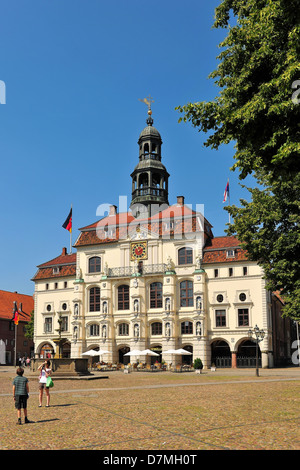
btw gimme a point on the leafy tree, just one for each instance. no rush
(29, 328)
(257, 109)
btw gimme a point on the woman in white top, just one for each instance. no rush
(45, 373)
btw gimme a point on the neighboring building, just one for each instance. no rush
(159, 280)
(11, 333)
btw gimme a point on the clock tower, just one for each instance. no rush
(150, 177)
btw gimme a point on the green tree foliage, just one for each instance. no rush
(257, 109)
(29, 328)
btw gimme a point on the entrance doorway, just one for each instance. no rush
(124, 359)
(220, 354)
(246, 354)
(187, 359)
(157, 350)
(47, 351)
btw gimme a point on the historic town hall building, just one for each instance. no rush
(155, 277)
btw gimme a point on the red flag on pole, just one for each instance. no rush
(68, 222)
(16, 314)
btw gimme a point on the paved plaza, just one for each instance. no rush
(158, 411)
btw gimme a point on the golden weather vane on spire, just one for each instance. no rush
(148, 102)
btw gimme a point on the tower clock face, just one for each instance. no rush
(139, 250)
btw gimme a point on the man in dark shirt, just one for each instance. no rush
(21, 393)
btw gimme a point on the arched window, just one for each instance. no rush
(186, 328)
(95, 299)
(185, 256)
(186, 294)
(95, 264)
(123, 297)
(123, 329)
(156, 295)
(156, 328)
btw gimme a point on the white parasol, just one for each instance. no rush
(91, 352)
(148, 352)
(133, 352)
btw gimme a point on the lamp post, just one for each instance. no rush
(259, 336)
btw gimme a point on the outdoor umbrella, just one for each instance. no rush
(170, 351)
(148, 352)
(134, 352)
(91, 352)
(179, 352)
(183, 352)
(102, 351)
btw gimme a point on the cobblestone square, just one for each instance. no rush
(222, 410)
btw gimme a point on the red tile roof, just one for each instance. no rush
(66, 263)
(63, 258)
(122, 225)
(7, 300)
(215, 250)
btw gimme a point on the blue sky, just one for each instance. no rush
(74, 71)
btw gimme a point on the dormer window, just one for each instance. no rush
(56, 270)
(169, 225)
(230, 254)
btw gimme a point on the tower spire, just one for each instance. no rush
(150, 177)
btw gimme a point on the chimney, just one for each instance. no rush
(180, 200)
(64, 251)
(112, 210)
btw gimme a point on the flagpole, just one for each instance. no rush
(71, 230)
(16, 326)
(229, 202)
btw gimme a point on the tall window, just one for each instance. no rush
(156, 295)
(220, 318)
(123, 329)
(94, 330)
(186, 328)
(185, 256)
(95, 299)
(48, 325)
(95, 264)
(123, 297)
(186, 294)
(243, 317)
(156, 328)
(64, 324)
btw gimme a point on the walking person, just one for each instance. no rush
(45, 373)
(21, 394)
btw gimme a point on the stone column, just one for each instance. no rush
(233, 360)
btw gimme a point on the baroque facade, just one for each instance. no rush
(154, 277)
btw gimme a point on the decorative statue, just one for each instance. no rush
(75, 333)
(104, 331)
(106, 269)
(198, 261)
(198, 328)
(168, 329)
(76, 310)
(136, 330)
(78, 273)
